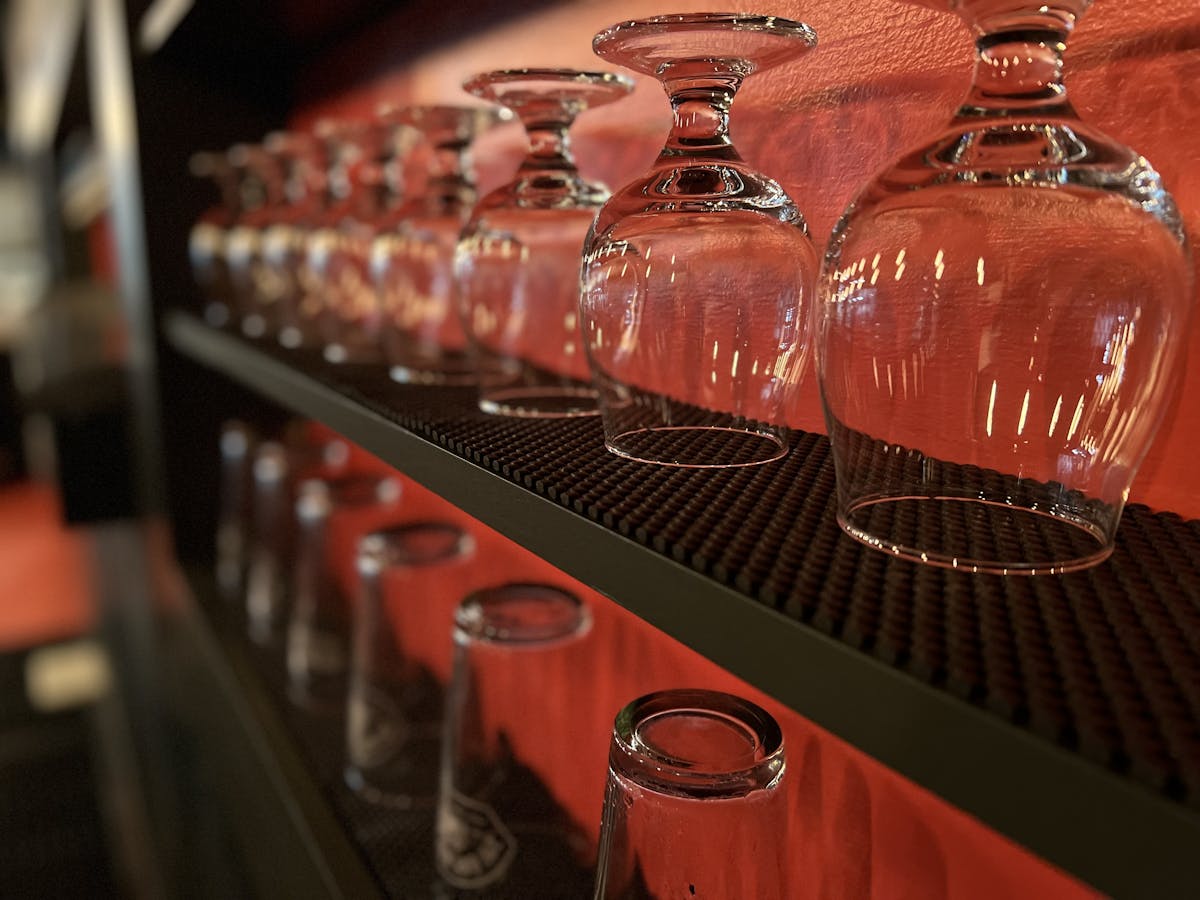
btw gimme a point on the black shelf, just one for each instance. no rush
(1063, 711)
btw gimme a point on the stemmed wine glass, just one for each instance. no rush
(413, 263)
(267, 245)
(1002, 319)
(518, 258)
(206, 240)
(258, 194)
(696, 279)
(366, 187)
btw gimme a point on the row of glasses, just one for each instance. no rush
(998, 323)
(685, 762)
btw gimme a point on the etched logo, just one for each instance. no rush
(474, 848)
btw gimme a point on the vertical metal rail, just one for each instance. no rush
(128, 560)
(114, 118)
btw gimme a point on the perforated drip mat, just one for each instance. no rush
(1105, 661)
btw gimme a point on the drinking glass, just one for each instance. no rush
(270, 544)
(366, 188)
(694, 805)
(285, 290)
(518, 258)
(319, 626)
(206, 240)
(259, 193)
(411, 578)
(1002, 322)
(234, 508)
(498, 830)
(278, 466)
(696, 279)
(413, 262)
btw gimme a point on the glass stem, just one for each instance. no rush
(449, 186)
(549, 146)
(701, 113)
(1019, 70)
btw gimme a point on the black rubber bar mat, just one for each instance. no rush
(1105, 662)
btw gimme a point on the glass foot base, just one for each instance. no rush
(976, 535)
(540, 402)
(697, 446)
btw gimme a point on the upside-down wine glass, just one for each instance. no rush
(286, 283)
(518, 258)
(367, 181)
(411, 579)
(696, 281)
(1002, 321)
(206, 240)
(257, 187)
(413, 262)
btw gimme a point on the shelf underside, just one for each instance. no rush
(1087, 682)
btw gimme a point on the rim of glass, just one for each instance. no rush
(499, 615)
(774, 25)
(417, 115)
(1105, 541)
(535, 73)
(385, 547)
(651, 767)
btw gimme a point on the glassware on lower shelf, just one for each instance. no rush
(694, 805)
(698, 277)
(318, 633)
(498, 831)
(411, 578)
(518, 258)
(234, 524)
(1003, 319)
